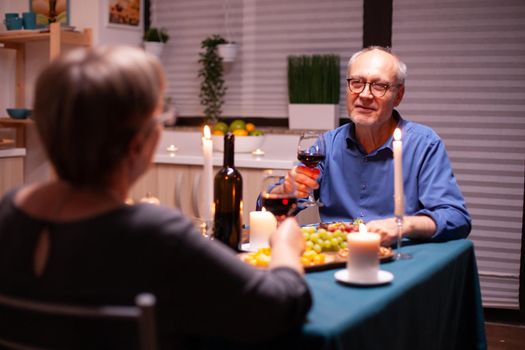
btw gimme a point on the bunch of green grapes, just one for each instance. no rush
(322, 240)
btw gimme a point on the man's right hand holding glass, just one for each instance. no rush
(305, 180)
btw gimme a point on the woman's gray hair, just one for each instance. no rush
(401, 71)
(90, 103)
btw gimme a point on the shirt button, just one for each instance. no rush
(361, 214)
(363, 186)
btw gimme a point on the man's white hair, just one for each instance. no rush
(401, 71)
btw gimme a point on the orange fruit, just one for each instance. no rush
(240, 132)
(249, 127)
(218, 132)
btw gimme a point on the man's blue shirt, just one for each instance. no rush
(354, 184)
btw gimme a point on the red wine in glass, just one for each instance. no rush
(279, 205)
(310, 159)
(278, 198)
(310, 152)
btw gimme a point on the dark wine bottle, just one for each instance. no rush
(228, 199)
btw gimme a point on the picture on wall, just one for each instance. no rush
(50, 11)
(126, 14)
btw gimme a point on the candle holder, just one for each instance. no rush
(205, 227)
(399, 255)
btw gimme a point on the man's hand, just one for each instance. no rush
(416, 227)
(305, 180)
(387, 228)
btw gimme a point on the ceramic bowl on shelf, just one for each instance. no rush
(18, 113)
(243, 144)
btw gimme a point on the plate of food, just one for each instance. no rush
(350, 226)
(311, 260)
(330, 237)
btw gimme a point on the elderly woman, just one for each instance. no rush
(74, 239)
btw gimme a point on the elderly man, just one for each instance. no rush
(356, 178)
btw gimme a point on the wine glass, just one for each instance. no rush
(311, 151)
(278, 196)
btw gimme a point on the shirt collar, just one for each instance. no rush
(351, 140)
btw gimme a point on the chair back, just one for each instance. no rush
(142, 314)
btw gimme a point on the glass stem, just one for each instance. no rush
(399, 223)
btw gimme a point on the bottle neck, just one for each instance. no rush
(229, 143)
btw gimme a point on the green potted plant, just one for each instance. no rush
(313, 91)
(155, 39)
(213, 87)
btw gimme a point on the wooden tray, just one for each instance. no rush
(333, 260)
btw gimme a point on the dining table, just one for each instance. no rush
(433, 302)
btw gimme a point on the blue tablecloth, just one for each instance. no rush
(433, 303)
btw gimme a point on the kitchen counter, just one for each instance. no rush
(12, 152)
(279, 151)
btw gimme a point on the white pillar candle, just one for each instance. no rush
(262, 225)
(207, 174)
(399, 201)
(363, 258)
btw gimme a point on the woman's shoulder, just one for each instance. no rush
(7, 203)
(153, 219)
(8, 197)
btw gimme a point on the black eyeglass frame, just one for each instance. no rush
(386, 86)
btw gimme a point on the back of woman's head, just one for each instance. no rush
(89, 104)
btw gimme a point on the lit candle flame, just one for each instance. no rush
(207, 132)
(362, 228)
(397, 134)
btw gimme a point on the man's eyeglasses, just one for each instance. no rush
(377, 89)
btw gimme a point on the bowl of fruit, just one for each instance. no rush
(247, 137)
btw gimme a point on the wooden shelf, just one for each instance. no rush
(10, 121)
(56, 37)
(17, 40)
(20, 129)
(66, 37)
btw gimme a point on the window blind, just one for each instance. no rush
(267, 31)
(466, 73)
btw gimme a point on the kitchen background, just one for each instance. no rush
(466, 73)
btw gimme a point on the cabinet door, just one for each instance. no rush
(175, 187)
(12, 173)
(148, 183)
(180, 186)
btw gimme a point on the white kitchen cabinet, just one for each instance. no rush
(179, 186)
(11, 173)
